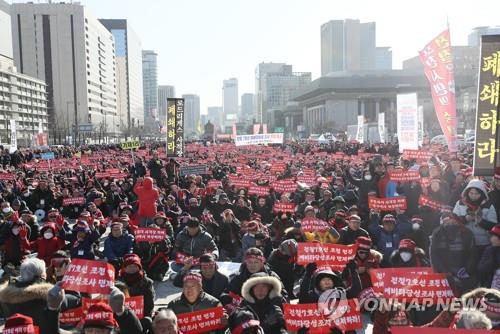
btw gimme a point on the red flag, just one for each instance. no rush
(438, 66)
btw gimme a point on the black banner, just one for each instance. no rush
(175, 127)
(487, 120)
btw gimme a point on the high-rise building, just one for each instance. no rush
(191, 115)
(475, 35)
(22, 98)
(150, 88)
(347, 45)
(64, 45)
(230, 101)
(247, 109)
(383, 59)
(215, 115)
(164, 92)
(128, 53)
(274, 85)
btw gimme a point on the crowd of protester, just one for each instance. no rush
(214, 217)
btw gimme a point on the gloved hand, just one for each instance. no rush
(60, 221)
(462, 273)
(117, 301)
(55, 297)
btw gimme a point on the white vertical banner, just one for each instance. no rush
(40, 127)
(359, 132)
(407, 114)
(381, 126)
(420, 125)
(13, 136)
(264, 128)
(234, 131)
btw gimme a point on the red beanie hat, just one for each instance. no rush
(407, 244)
(100, 315)
(364, 243)
(132, 259)
(20, 324)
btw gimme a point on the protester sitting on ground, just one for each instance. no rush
(193, 298)
(194, 241)
(214, 282)
(165, 322)
(261, 295)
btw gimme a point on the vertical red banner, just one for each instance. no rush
(437, 59)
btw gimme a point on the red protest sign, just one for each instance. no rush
(89, 276)
(437, 330)
(180, 258)
(284, 186)
(417, 154)
(404, 284)
(239, 183)
(7, 177)
(404, 176)
(332, 255)
(73, 201)
(258, 190)
(135, 304)
(387, 204)
(308, 316)
(435, 205)
(71, 317)
(214, 184)
(310, 180)
(278, 167)
(119, 175)
(284, 207)
(313, 225)
(102, 175)
(201, 321)
(150, 234)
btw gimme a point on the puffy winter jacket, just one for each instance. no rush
(452, 248)
(488, 265)
(115, 248)
(46, 247)
(195, 246)
(147, 196)
(181, 305)
(488, 214)
(386, 242)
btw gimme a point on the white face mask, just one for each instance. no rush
(416, 226)
(368, 177)
(48, 235)
(15, 230)
(6, 210)
(405, 256)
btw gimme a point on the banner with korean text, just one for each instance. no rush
(175, 127)
(333, 255)
(407, 121)
(310, 316)
(268, 138)
(438, 66)
(403, 284)
(89, 276)
(486, 150)
(203, 321)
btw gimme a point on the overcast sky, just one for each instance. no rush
(201, 42)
